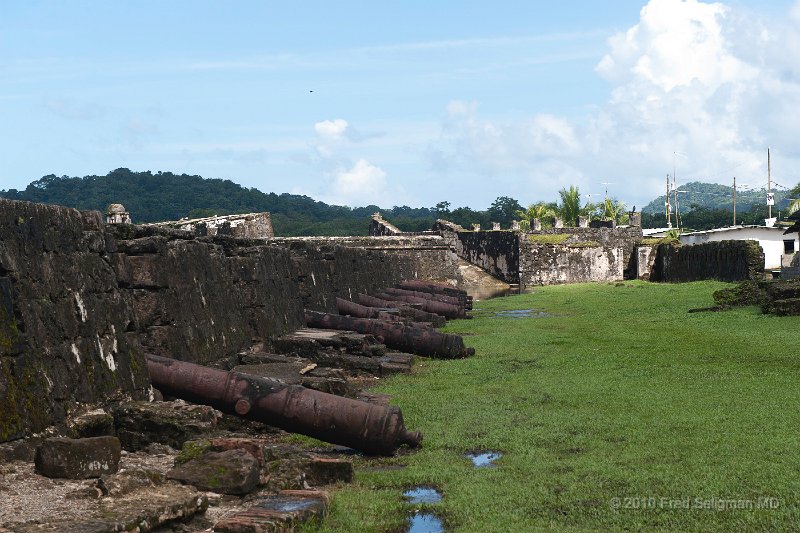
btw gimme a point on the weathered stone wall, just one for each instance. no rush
(722, 260)
(645, 261)
(198, 298)
(496, 252)
(378, 227)
(245, 226)
(536, 258)
(67, 334)
(344, 266)
(624, 237)
(81, 302)
(546, 264)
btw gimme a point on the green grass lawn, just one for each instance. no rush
(620, 393)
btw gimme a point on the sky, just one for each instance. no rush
(405, 103)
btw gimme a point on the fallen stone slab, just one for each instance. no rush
(141, 511)
(281, 512)
(139, 424)
(332, 381)
(306, 342)
(282, 466)
(327, 470)
(78, 458)
(96, 423)
(229, 472)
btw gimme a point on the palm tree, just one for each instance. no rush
(613, 209)
(540, 210)
(794, 205)
(570, 207)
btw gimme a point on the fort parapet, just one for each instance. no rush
(82, 301)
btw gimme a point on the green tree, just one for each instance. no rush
(503, 210)
(540, 210)
(442, 208)
(570, 207)
(613, 209)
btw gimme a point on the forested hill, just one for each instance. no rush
(715, 196)
(166, 196)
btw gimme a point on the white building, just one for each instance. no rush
(772, 240)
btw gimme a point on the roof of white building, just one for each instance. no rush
(734, 228)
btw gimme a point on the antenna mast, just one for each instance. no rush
(666, 204)
(769, 185)
(734, 200)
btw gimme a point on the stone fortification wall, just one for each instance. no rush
(245, 226)
(496, 252)
(610, 239)
(554, 255)
(722, 260)
(81, 301)
(344, 266)
(550, 264)
(67, 334)
(378, 227)
(199, 298)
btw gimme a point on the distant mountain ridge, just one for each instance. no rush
(716, 196)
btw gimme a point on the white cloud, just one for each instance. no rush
(707, 80)
(361, 184)
(331, 130)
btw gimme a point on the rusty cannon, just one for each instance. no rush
(452, 300)
(346, 307)
(363, 426)
(435, 288)
(417, 315)
(413, 339)
(431, 306)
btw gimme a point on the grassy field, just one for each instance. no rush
(612, 413)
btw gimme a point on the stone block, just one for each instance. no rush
(78, 458)
(139, 424)
(96, 423)
(229, 472)
(280, 512)
(325, 470)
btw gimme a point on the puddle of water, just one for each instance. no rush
(522, 313)
(423, 495)
(425, 523)
(287, 504)
(484, 459)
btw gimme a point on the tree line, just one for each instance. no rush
(160, 196)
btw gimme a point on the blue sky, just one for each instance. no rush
(403, 103)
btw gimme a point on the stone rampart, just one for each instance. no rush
(547, 256)
(81, 301)
(721, 260)
(67, 333)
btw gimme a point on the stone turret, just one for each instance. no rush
(116, 214)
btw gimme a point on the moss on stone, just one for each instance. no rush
(584, 244)
(655, 241)
(747, 292)
(549, 238)
(9, 334)
(192, 449)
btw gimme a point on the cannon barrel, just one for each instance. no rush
(417, 315)
(434, 288)
(413, 339)
(363, 426)
(431, 306)
(346, 307)
(452, 300)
